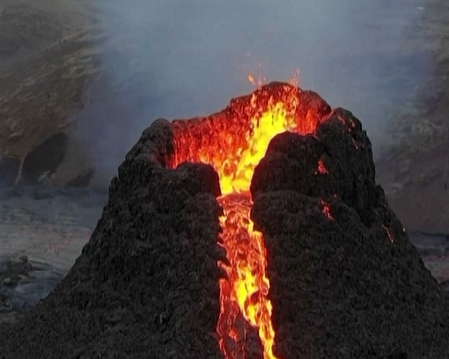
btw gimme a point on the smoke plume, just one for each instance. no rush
(179, 59)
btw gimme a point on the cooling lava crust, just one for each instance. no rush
(257, 232)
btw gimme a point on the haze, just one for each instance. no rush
(184, 58)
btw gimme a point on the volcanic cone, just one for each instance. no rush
(256, 232)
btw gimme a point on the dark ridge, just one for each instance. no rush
(146, 284)
(345, 280)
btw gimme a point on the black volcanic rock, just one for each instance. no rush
(345, 280)
(146, 284)
(340, 286)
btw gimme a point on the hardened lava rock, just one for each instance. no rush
(345, 280)
(146, 284)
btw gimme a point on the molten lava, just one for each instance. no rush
(233, 142)
(246, 288)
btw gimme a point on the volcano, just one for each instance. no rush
(256, 232)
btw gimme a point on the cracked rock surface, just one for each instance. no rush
(346, 282)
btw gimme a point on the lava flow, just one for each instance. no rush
(233, 142)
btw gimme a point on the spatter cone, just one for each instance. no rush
(341, 277)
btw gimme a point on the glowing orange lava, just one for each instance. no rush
(322, 170)
(327, 210)
(247, 286)
(233, 142)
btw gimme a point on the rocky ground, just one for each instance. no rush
(47, 64)
(43, 230)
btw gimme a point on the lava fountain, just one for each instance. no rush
(233, 142)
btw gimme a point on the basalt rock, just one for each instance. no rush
(345, 280)
(146, 284)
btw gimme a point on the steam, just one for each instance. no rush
(183, 58)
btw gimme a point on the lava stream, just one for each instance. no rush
(233, 142)
(246, 288)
